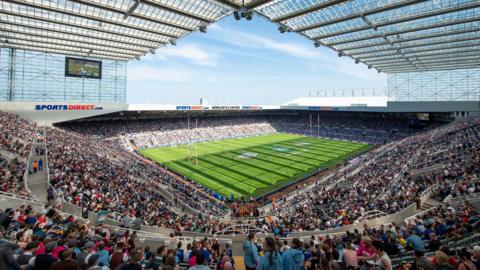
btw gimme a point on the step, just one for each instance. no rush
(38, 182)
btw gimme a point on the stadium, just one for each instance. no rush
(338, 178)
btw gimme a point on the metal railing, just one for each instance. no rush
(46, 157)
(27, 167)
(352, 92)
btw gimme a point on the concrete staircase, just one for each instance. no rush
(38, 182)
(429, 204)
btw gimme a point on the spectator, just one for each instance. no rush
(382, 259)
(66, 262)
(250, 252)
(118, 257)
(133, 261)
(7, 261)
(45, 260)
(442, 261)
(201, 261)
(103, 258)
(293, 257)
(465, 260)
(93, 263)
(272, 260)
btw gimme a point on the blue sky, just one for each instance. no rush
(242, 62)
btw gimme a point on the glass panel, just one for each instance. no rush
(41, 77)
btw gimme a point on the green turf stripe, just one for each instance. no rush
(221, 169)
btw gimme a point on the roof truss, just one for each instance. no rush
(398, 34)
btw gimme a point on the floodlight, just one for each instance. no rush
(173, 42)
(369, 66)
(340, 54)
(282, 29)
(317, 44)
(152, 51)
(248, 15)
(203, 28)
(137, 57)
(236, 14)
(357, 61)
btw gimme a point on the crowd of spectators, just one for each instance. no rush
(385, 182)
(92, 175)
(439, 239)
(51, 240)
(11, 176)
(160, 132)
(15, 137)
(95, 176)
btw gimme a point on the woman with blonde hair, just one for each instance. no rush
(441, 261)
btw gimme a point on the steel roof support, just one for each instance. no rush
(370, 55)
(173, 10)
(89, 42)
(251, 5)
(83, 27)
(420, 61)
(413, 59)
(45, 45)
(11, 74)
(413, 55)
(430, 68)
(400, 20)
(256, 3)
(71, 44)
(311, 9)
(364, 13)
(229, 4)
(409, 30)
(65, 52)
(398, 41)
(433, 63)
(415, 45)
(87, 17)
(68, 33)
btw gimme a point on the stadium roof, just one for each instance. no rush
(388, 35)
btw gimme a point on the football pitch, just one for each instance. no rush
(253, 166)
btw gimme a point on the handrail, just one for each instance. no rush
(369, 214)
(38, 203)
(27, 168)
(46, 157)
(461, 198)
(25, 198)
(241, 228)
(408, 219)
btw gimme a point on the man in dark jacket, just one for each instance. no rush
(7, 261)
(44, 261)
(66, 262)
(30, 249)
(6, 219)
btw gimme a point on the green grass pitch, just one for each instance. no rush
(253, 166)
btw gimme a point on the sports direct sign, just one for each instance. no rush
(71, 107)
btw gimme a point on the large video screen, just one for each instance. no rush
(85, 68)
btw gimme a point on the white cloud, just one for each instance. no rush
(359, 71)
(214, 27)
(247, 40)
(191, 52)
(149, 73)
(321, 60)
